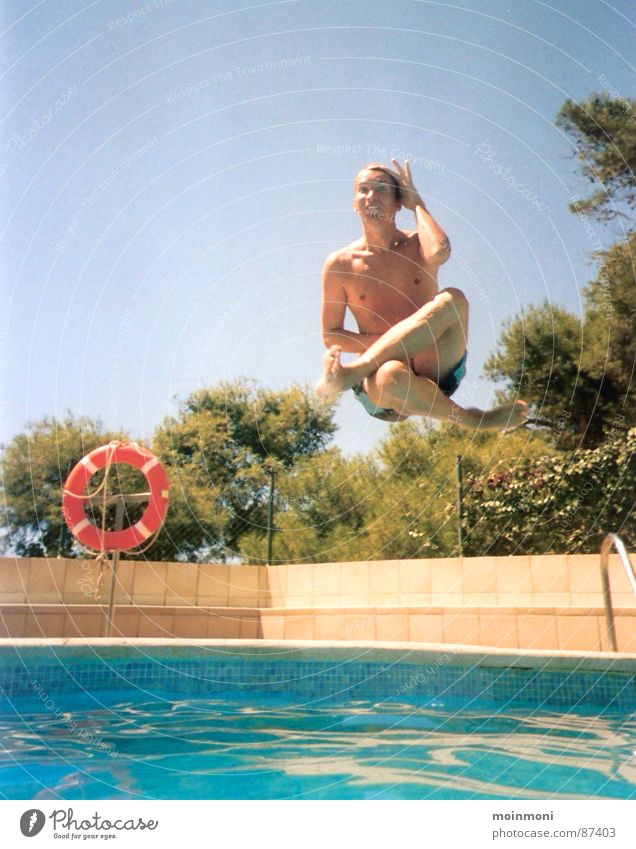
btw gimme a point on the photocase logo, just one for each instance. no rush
(32, 822)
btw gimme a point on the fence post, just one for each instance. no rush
(460, 504)
(270, 516)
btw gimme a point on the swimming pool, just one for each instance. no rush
(240, 721)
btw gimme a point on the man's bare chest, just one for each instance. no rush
(387, 290)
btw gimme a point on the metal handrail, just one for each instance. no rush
(609, 541)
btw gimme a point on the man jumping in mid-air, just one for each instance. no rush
(411, 339)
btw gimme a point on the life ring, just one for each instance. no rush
(74, 498)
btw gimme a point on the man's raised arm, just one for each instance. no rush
(434, 243)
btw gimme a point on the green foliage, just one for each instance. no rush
(543, 506)
(604, 133)
(321, 510)
(609, 354)
(35, 466)
(414, 514)
(553, 360)
(415, 511)
(579, 372)
(219, 452)
(400, 503)
(521, 493)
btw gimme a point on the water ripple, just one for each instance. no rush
(229, 747)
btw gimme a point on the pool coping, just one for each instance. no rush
(367, 651)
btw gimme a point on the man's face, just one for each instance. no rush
(374, 197)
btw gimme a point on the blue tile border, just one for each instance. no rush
(59, 669)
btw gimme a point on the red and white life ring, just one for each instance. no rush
(74, 498)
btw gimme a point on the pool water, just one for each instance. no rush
(241, 745)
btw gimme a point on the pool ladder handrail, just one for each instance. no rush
(609, 541)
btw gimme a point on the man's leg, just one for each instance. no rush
(395, 386)
(411, 336)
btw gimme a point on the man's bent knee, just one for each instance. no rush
(451, 299)
(456, 296)
(392, 373)
(384, 384)
(455, 301)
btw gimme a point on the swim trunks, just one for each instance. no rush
(385, 414)
(449, 385)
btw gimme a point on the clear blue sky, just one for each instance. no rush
(176, 172)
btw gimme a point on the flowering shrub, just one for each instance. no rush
(555, 504)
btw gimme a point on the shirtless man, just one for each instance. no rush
(411, 339)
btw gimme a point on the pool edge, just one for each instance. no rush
(338, 650)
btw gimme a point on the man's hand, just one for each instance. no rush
(410, 195)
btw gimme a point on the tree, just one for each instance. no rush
(603, 132)
(34, 467)
(218, 452)
(609, 354)
(580, 371)
(322, 506)
(398, 503)
(547, 358)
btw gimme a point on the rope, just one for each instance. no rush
(100, 560)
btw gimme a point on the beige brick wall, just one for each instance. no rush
(537, 581)
(542, 602)
(581, 629)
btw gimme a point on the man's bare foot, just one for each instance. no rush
(336, 377)
(506, 417)
(519, 415)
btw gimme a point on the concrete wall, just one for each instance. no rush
(542, 602)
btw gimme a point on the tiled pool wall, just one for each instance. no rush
(47, 672)
(534, 602)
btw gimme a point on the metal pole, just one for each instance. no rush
(119, 524)
(270, 516)
(460, 504)
(607, 595)
(63, 529)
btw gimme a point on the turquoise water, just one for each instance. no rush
(238, 745)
